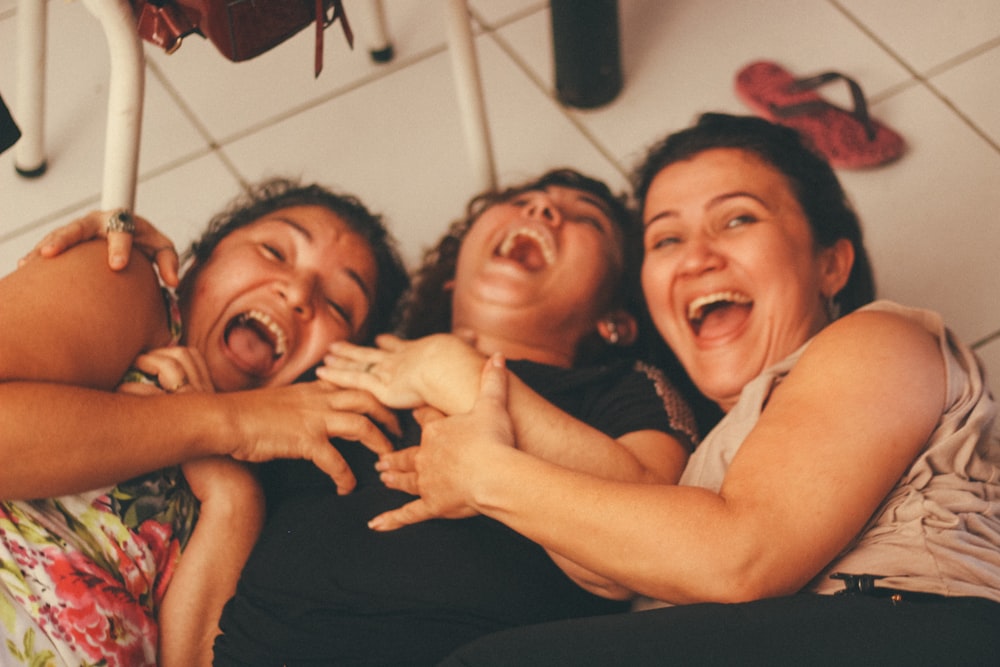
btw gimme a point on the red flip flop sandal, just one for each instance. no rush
(847, 139)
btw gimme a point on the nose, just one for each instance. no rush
(699, 255)
(299, 293)
(541, 207)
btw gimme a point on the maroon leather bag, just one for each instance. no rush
(239, 29)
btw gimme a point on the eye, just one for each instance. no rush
(663, 241)
(339, 310)
(739, 221)
(273, 252)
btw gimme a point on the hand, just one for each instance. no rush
(147, 238)
(298, 421)
(177, 369)
(438, 370)
(440, 469)
(399, 468)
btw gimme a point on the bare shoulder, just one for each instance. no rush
(72, 319)
(874, 336)
(883, 367)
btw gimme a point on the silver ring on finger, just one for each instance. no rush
(120, 220)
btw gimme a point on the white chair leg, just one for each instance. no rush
(468, 85)
(379, 42)
(125, 97)
(29, 151)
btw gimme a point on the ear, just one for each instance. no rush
(618, 328)
(837, 261)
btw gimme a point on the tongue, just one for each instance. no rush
(721, 320)
(253, 351)
(527, 253)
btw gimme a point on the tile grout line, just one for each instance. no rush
(924, 80)
(986, 340)
(549, 94)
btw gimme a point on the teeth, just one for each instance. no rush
(279, 336)
(697, 307)
(548, 252)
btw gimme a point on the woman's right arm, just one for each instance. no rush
(70, 328)
(803, 484)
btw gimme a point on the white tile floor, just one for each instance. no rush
(390, 133)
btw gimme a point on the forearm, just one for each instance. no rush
(60, 439)
(207, 575)
(542, 429)
(545, 431)
(679, 544)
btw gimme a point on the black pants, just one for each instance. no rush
(798, 630)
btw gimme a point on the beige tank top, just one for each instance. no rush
(939, 529)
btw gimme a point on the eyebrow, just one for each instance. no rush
(712, 203)
(596, 203)
(366, 289)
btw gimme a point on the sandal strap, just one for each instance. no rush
(860, 111)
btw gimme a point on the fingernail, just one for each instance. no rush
(376, 523)
(118, 261)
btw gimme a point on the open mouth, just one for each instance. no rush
(528, 247)
(713, 315)
(256, 341)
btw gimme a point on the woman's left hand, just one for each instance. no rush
(441, 469)
(434, 370)
(146, 238)
(177, 369)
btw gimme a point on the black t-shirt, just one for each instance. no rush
(321, 588)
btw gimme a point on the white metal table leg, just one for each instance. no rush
(468, 86)
(125, 96)
(29, 151)
(379, 44)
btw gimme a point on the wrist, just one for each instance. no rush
(449, 381)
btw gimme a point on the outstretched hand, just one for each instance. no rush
(442, 469)
(298, 422)
(147, 238)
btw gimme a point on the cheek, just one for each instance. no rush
(653, 287)
(321, 335)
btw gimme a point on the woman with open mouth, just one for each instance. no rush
(542, 273)
(90, 565)
(844, 511)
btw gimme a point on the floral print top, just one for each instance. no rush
(82, 576)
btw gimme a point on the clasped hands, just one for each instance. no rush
(443, 471)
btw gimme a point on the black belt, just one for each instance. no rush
(864, 584)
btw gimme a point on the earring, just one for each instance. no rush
(613, 336)
(832, 308)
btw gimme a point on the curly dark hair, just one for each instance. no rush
(277, 193)
(427, 307)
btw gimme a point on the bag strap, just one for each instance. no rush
(162, 23)
(322, 22)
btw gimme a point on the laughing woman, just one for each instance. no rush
(846, 510)
(91, 566)
(543, 273)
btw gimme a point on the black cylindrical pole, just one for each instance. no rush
(587, 56)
